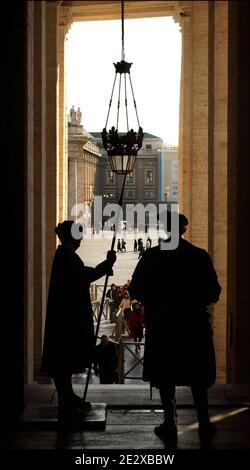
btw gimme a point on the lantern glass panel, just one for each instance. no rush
(122, 164)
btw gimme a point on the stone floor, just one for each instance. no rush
(131, 417)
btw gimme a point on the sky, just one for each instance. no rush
(153, 45)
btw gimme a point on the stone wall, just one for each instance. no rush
(203, 146)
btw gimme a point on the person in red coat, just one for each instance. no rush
(69, 330)
(136, 323)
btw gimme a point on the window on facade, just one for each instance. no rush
(149, 176)
(110, 177)
(130, 178)
(129, 194)
(148, 147)
(149, 194)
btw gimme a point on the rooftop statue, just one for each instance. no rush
(73, 116)
(78, 117)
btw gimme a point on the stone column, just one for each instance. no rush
(51, 177)
(193, 143)
(88, 180)
(202, 146)
(85, 176)
(41, 171)
(185, 123)
(64, 20)
(238, 192)
(72, 188)
(39, 262)
(199, 96)
(77, 166)
(218, 164)
(28, 323)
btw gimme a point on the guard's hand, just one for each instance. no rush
(110, 272)
(111, 257)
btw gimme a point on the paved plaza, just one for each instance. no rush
(93, 250)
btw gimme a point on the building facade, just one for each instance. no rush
(169, 186)
(143, 184)
(83, 162)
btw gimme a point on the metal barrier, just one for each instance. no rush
(96, 291)
(96, 309)
(123, 373)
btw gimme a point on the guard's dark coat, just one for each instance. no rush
(69, 331)
(175, 287)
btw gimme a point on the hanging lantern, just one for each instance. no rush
(122, 147)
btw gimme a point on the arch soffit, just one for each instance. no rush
(94, 10)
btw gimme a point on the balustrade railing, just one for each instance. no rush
(96, 309)
(125, 367)
(96, 291)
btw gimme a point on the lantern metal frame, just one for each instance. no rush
(120, 144)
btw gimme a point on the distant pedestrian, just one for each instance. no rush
(136, 324)
(139, 244)
(125, 305)
(117, 296)
(119, 325)
(149, 240)
(105, 361)
(111, 294)
(142, 249)
(135, 245)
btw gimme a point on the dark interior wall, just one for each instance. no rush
(13, 207)
(242, 327)
(238, 193)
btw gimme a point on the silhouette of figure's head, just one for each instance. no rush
(136, 305)
(183, 222)
(104, 340)
(70, 233)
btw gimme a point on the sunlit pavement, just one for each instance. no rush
(93, 250)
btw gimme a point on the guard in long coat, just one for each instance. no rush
(176, 287)
(69, 331)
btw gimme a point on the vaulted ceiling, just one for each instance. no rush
(89, 10)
